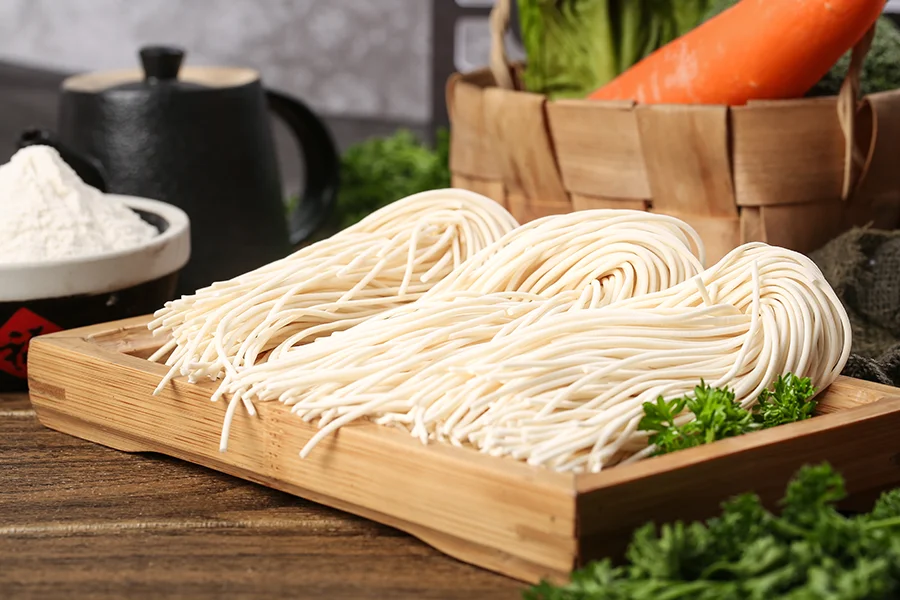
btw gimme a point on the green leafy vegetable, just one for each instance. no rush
(686, 14)
(569, 46)
(575, 46)
(717, 7)
(790, 401)
(379, 171)
(717, 416)
(887, 507)
(809, 552)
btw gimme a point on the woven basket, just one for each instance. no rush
(791, 173)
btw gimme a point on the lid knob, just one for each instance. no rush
(161, 63)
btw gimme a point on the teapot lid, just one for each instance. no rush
(161, 68)
(161, 65)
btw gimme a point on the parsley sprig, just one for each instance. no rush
(717, 416)
(808, 552)
(789, 401)
(381, 170)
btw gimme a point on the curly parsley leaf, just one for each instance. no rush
(812, 494)
(379, 171)
(790, 400)
(716, 416)
(887, 506)
(809, 552)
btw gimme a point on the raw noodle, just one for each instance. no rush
(629, 252)
(560, 382)
(390, 258)
(589, 259)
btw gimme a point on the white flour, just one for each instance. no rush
(47, 212)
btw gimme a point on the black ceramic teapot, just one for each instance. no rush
(199, 138)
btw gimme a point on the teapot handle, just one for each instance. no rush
(321, 165)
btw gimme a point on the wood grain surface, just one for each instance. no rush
(78, 520)
(500, 515)
(526, 523)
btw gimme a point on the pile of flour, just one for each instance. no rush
(47, 212)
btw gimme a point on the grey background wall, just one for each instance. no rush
(368, 59)
(353, 58)
(366, 65)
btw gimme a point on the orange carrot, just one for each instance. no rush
(756, 50)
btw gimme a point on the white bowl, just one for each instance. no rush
(102, 273)
(45, 297)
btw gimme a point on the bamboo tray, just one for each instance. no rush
(525, 522)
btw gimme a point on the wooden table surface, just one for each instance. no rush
(78, 520)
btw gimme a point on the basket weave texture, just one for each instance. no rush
(793, 173)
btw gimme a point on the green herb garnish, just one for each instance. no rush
(809, 552)
(379, 171)
(790, 401)
(717, 416)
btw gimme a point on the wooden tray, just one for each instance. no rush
(525, 522)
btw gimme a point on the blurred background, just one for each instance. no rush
(369, 68)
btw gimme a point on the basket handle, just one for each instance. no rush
(848, 101)
(500, 67)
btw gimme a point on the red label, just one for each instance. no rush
(14, 337)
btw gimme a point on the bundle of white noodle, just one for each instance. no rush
(585, 259)
(630, 253)
(566, 390)
(388, 259)
(613, 254)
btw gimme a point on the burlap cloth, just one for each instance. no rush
(863, 267)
